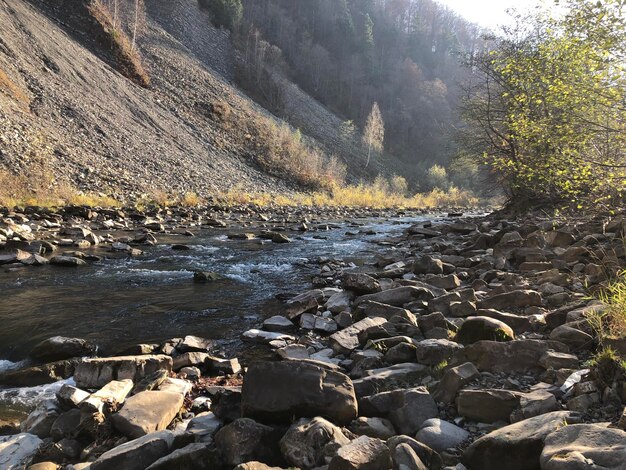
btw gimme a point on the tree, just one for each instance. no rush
(226, 13)
(546, 106)
(374, 132)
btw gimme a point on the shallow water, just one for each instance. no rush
(119, 302)
(125, 301)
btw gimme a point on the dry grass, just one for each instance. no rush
(38, 189)
(610, 322)
(378, 195)
(8, 86)
(285, 153)
(128, 59)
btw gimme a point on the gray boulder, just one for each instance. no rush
(279, 391)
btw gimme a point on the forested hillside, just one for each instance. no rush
(404, 55)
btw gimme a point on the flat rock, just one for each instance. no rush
(147, 412)
(487, 406)
(192, 456)
(386, 377)
(97, 372)
(137, 454)
(512, 300)
(347, 340)
(398, 296)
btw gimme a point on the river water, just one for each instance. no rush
(118, 302)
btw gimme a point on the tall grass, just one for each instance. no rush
(610, 322)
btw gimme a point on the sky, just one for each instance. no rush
(488, 13)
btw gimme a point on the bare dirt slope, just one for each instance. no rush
(97, 128)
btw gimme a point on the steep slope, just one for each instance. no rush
(89, 124)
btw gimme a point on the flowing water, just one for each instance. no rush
(118, 302)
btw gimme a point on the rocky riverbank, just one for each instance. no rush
(464, 344)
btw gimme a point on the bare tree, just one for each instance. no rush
(374, 132)
(136, 22)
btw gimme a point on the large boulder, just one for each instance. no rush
(453, 379)
(514, 447)
(434, 351)
(147, 412)
(308, 443)
(584, 446)
(360, 283)
(407, 409)
(512, 356)
(17, 451)
(97, 372)
(137, 454)
(364, 453)
(245, 440)
(484, 328)
(280, 391)
(60, 347)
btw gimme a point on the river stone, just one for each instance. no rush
(67, 261)
(398, 296)
(518, 323)
(431, 459)
(434, 351)
(279, 391)
(515, 299)
(487, 406)
(515, 447)
(572, 337)
(339, 301)
(584, 446)
(440, 435)
(483, 328)
(380, 428)
(39, 375)
(512, 356)
(41, 419)
(360, 283)
(60, 347)
(137, 454)
(195, 343)
(363, 453)
(407, 409)
(453, 379)
(278, 323)
(17, 451)
(391, 377)
(307, 443)
(427, 265)
(112, 394)
(245, 440)
(347, 340)
(191, 457)
(70, 396)
(97, 372)
(147, 412)
(65, 425)
(266, 336)
(203, 426)
(556, 360)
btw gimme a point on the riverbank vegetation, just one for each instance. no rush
(545, 107)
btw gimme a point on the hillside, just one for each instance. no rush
(66, 111)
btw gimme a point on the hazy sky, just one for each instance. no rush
(488, 13)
